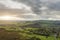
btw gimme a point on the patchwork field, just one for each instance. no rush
(34, 30)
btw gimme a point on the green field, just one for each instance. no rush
(42, 30)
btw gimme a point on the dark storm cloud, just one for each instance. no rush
(54, 6)
(34, 4)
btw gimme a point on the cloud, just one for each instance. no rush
(33, 9)
(50, 1)
(14, 5)
(18, 8)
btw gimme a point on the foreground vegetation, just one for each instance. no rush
(30, 31)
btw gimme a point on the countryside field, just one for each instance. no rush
(29, 19)
(30, 30)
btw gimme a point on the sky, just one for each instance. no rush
(31, 9)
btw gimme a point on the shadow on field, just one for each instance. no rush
(12, 35)
(5, 35)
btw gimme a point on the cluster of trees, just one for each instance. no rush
(43, 31)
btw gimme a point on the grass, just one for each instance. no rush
(24, 33)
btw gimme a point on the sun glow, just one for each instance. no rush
(9, 18)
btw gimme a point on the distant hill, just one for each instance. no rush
(36, 24)
(43, 23)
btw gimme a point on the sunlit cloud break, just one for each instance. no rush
(15, 5)
(33, 9)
